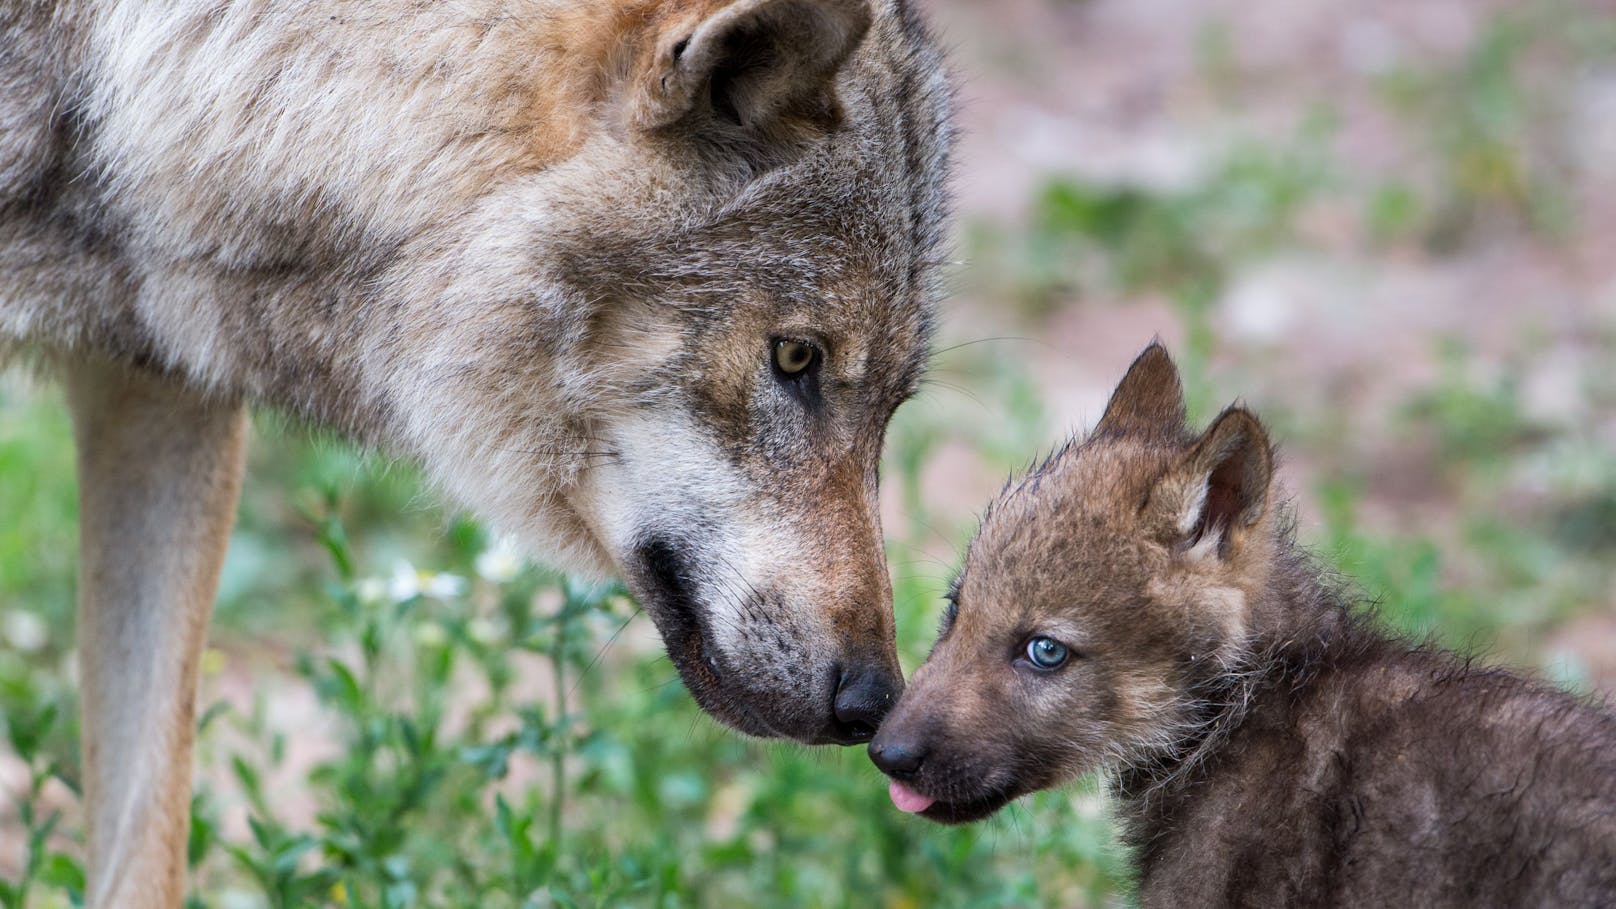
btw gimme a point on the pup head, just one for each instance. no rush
(1101, 590)
(751, 230)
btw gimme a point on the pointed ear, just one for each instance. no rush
(1149, 401)
(1220, 488)
(751, 63)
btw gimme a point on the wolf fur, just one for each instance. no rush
(1266, 742)
(544, 248)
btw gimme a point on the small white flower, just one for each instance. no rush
(500, 563)
(25, 630)
(442, 586)
(369, 590)
(405, 583)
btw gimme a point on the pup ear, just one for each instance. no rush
(750, 64)
(1149, 401)
(1219, 489)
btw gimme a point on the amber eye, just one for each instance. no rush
(792, 358)
(1046, 653)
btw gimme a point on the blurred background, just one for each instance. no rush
(1387, 225)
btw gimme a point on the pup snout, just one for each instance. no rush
(899, 759)
(863, 698)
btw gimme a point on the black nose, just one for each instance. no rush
(862, 699)
(900, 760)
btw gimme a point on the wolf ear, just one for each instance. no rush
(1149, 401)
(1219, 489)
(751, 63)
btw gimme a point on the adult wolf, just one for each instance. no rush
(640, 282)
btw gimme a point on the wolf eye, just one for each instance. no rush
(792, 358)
(1046, 653)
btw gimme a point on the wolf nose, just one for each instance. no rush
(862, 699)
(899, 760)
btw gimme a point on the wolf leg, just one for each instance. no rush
(159, 473)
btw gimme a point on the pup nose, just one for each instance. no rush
(899, 760)
(862, 699)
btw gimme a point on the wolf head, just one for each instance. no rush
(1104, 592)
(735, 286)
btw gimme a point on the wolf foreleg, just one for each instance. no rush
(159, 473)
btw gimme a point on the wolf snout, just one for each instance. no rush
(899, 759)
(864, 696)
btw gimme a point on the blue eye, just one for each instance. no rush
(1046, 653)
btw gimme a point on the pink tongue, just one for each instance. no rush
(907, 799)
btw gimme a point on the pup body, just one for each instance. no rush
(1136, 606)
(550, 249)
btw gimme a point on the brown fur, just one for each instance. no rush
(1266, 744)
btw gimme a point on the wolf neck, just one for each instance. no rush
(1300, 626)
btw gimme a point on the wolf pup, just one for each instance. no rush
(640, 282)
(1137, 605)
